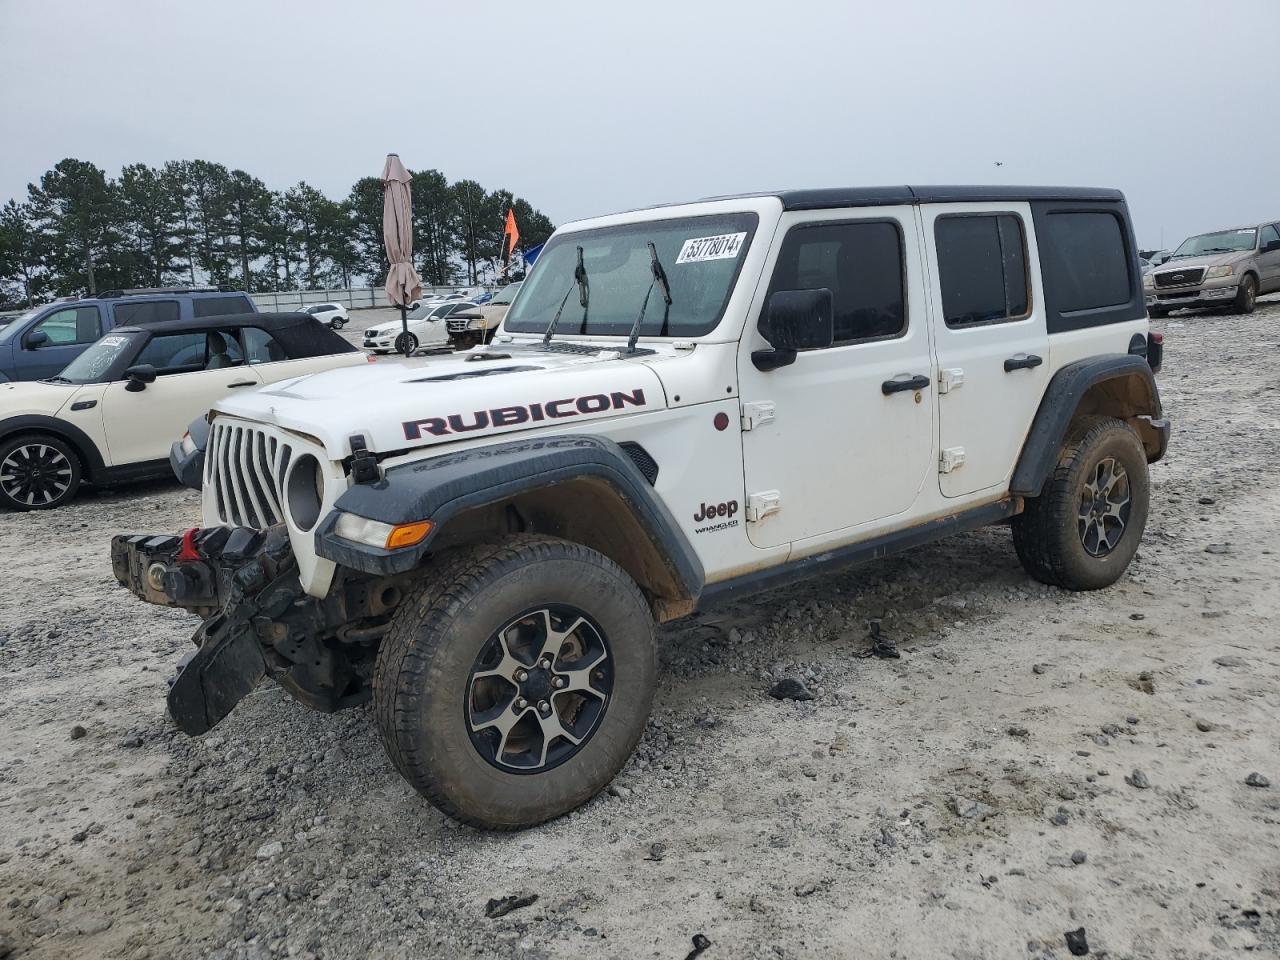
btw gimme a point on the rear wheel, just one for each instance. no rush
(37, 473)
(1247, 294)
(1084, 528)
(516, 680)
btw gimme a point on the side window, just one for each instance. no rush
(1089, 263)
(71, 326)
(146, 311)
(220, 306)
(1269, 235)
(261, 347)
(174, 353)
(982, 268)
(860, 263)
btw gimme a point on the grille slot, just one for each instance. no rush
(245, 468)
(1180, 278)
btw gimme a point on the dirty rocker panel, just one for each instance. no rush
(873, 549)
(1058, 407)
(442, 487)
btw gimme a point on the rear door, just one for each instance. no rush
(990, 336)
(141, 425)
(829, 449)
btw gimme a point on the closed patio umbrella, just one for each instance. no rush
(404, 286)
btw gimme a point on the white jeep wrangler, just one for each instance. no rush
(684, 403)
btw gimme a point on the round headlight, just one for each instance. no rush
(304, 491)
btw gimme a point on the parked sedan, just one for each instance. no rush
(390, 336)
(333, 314)
(113, 413)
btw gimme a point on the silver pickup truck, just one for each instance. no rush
(1229, 268)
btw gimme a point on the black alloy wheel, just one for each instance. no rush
(37, 473)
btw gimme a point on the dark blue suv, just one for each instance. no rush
(43, 340)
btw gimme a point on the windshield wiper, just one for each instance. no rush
(659, 277)
(584, 297)
(56, 380)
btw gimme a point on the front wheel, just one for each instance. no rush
(37, 473)
(406, 343)
(337, 323)
(516, 680)
(1084, 528)
(1247, 294)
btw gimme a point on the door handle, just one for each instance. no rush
(243, 383)
(1023, 361)
(918, 382)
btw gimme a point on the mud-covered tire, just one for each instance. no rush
(38, 472)
(1050, 534)
(427, 668)
(1246, 294)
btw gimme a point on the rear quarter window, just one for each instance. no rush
(221, 306)
(146, 311)
(1088, 264)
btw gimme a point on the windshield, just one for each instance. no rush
(92, 365)
(506, 294)
(1227, 241)
(9, 329)
(701, 257)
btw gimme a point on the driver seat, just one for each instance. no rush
(216, 347)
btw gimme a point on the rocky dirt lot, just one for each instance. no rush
(1036, 762)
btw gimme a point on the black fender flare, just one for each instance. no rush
(1060, 403)
(94, 467)
(441, 487)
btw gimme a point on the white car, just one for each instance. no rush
(114, 412)
(386, 337)
(332, 314)
(685, 405)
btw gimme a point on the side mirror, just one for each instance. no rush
(35, 339)
(139, 376)
(795, 320)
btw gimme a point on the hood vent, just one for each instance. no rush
(472, 374)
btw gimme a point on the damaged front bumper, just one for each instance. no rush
(258, 621)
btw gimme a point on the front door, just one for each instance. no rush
(1269, 258)
(851, 437)
(991, 340)
(67, 333)
(191, 375)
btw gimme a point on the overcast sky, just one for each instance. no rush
(587, 108)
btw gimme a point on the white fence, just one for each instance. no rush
(353, 298)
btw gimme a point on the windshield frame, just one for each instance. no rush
(1218, 233)
(642, 228)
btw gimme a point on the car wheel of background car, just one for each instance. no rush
(410, 340)
(1247, 294)
(1084, 528)
(516, 680)
(337, 323)
(37, 472)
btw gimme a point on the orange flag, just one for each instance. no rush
(512, 231)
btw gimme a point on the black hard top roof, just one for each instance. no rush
(827, 197)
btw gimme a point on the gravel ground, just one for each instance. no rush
(1036, 763)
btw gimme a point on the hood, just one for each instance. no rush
(1205, 260)
(443, 400)
(32, 396)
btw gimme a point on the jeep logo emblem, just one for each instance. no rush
(709, 511)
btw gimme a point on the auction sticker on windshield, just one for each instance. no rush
(723, 247)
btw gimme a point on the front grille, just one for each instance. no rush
(1180, 278)
(245, 468)
(456, 326)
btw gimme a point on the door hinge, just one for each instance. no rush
(949, 379)
(952, 459)
(761, 505)
(756, 413)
